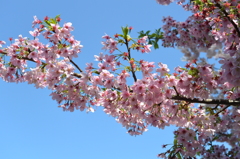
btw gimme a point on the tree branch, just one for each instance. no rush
(26, 58)
(227, 15)
(75, 65)
(129, 57)
(77, 75)
(208, 101)
(222, 110)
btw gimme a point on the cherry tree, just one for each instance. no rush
(200, 100)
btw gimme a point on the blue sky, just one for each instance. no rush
(33, 127)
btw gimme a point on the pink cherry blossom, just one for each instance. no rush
(154, 96)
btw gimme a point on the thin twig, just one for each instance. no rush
(75, 65)
(215, 107)
(222, 110)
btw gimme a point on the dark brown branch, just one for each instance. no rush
(129, 58)
(215, 107)
(77, 75)
(4, 53)
(174, 155)
(208, 101)
(22, 58)
(26, 58)
(176, 90)
(222, 110)
(230, 20)
(76, 65)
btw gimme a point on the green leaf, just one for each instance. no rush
(184, 69)
(152, 38)
(138, 69)
(175, 142)
(155, 45)
(198, 2)
(125, 32)
(53, 21)
(128, 68)
(154, 35)
(95, 71)
(179, 156)
(170, 155)
(215, 138)
(104, 89)
(198, 153)
(63, 76)
(57, 17)
(129, 37)
(47, 22)
(193, 71)
(120, 35)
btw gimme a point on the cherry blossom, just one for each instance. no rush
(201, 101)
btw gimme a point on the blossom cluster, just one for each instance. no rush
(156, 97)
(213, 28)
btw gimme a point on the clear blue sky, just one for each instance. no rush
(33, 127)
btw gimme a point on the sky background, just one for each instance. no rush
(33, 127)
